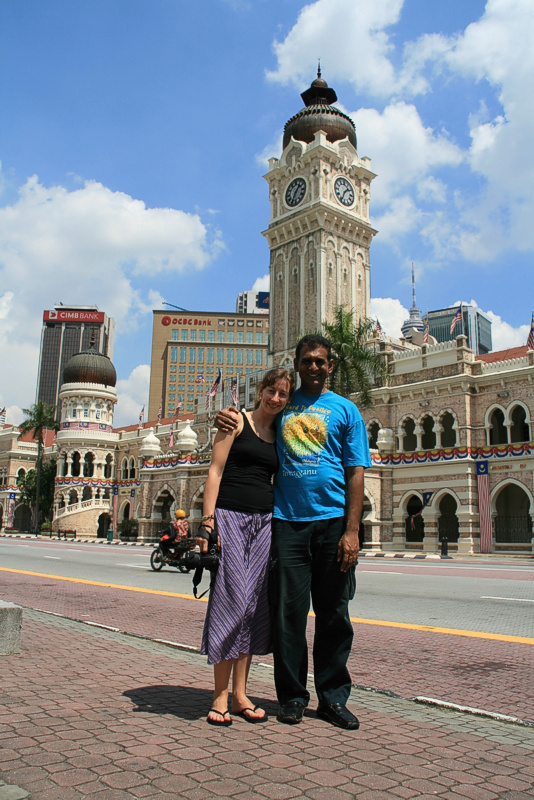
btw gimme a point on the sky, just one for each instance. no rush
(135, 134)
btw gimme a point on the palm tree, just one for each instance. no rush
(355, 363)
(39, 418)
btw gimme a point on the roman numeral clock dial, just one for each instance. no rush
(295, 192)
(344, 191)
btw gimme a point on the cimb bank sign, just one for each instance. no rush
(64, 315)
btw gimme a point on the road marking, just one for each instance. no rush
(53, 558)
(499, 637)
(133, 566)
(516, 599)
(382, 572)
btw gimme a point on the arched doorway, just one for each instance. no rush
(104, 522)
(364, 532)
(22, 520)
(448, 525)
(513, 524)
(1, 516)
(162, 508)
(414, 525)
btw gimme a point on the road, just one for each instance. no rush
(461, 631)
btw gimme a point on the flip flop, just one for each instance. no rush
(245, 716)
(221, 723)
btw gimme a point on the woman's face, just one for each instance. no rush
(274, 398)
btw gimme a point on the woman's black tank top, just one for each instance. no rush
(246, 483)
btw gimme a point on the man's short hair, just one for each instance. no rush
(311, 342)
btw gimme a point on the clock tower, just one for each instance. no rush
(319, 234)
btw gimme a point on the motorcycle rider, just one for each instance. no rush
(177, 532)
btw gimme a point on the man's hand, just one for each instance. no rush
(348, 549)
(226, 419)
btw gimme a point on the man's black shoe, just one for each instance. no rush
(291, 713)
(339, 715)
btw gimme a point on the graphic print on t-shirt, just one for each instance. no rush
(304, 437)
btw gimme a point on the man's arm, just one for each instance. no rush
(227, 419)
(349, 544)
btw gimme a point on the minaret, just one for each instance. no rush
(414, 322)
(319, 233)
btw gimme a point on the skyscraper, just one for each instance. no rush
(473, 323)
(69, 329)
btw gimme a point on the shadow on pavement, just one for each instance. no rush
(185, 702)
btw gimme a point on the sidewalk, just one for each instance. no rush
(89, 713)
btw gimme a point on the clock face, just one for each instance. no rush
(344, 191)
(295, 191)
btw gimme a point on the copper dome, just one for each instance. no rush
(319, 115)
(90, 367)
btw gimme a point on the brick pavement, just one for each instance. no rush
(88, 713)
(491, 675)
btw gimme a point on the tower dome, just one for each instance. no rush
(319, 115)
(90, 366)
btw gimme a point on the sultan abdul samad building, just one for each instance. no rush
(450, 432)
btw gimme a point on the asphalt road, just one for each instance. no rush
(495, 598)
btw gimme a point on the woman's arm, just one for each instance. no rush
(221, 447)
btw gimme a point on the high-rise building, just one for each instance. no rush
(69, 329)
(472, 323)
(319, 233)
(252, 303)
(190, 347)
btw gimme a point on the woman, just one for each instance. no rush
(238, 503)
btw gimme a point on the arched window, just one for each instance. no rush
(107, 466)
(75, 465)
(519, 430)
(428, 439)
(86, 411)
(448, 435)
(73, 497)
(98, 412)
(448, 521)
(88, 465)
(21, 474)
(372, 434)
(497, 429)
(87, 493)
(415, 526)
(124, 469)
(132, 468)
(409, 440)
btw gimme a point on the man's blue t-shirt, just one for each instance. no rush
(317, 437)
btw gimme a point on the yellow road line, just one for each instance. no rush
(499, 637)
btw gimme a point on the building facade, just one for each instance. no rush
(252, 303)
(473, 324)
(189, 349)
(66, 331)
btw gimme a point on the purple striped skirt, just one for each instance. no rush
(238, 617)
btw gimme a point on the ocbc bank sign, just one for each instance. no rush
(184, 321)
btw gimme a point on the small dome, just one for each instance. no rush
(150, 445)
(90, 367)
(187, 440)
(319, 115)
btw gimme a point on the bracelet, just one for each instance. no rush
(208, 516)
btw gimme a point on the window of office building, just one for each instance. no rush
(172, 397)
(211, 336)
(220, 356)
(249, 357)
(192, 369)
(180, 369)
(250, 337)
(184, 335)
(175, 335)
(192, 354)
(173, 369)
(209, 370)
(240, 336)
(259, 357)
(202, 336)
(174, 354)
(200, 352)
(230, 337)
(229, 356)
(220, 336)
(238, 356)
(183, 354)
(211, 352)
(259, 338)
(193, 336)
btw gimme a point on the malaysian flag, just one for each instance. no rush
(379, 330)
(234, 393)
(3, 416)
(425, 334)
(141, 415)
(160, 410)
(171, 438)
(179, 404)
(215, 385)
(484, 509)
(456, 319)
(530, 341)
(200, 378)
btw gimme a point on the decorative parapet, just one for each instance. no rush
(426, 457)
(168, 462)
(507, 365)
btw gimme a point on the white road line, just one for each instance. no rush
(516, 599)
(133, 566)
(381, 572)
(53, 558)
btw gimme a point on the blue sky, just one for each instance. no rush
(135, 134)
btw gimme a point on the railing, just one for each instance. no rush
(513, 530)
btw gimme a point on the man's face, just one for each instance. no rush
(314, 368)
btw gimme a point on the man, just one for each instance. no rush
(177, 533)
(323, 451)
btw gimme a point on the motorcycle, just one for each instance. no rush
(175, 558)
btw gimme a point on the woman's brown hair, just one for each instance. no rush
(270, 378)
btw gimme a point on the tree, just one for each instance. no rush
(28, 486)
(39, 418)
(356, 365)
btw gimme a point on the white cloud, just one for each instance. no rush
(271, 150)
(390, 313)
(349, 36)
(261, 284)
(89, 246)
(132, 395)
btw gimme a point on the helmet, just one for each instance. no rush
(179, 514)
